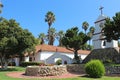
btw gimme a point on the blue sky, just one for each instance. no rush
(31, 13)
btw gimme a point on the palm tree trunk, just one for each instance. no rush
(49, 35)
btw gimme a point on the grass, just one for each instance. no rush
(4, 77)
(13, 69)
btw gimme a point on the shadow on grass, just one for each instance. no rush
(12, 69)
(9, 69)
(87, 76)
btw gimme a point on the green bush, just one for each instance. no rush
(59, 61)
(11, 64)
(95, 68)
(25, 64)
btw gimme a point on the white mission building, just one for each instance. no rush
(50, 54)
(98, 41)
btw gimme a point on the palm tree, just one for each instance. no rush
(90, 33)
(60, 35)
(42, 37)
(1, 5)
(49, 18)
(92, 29)
(85, 26)
(51, 36)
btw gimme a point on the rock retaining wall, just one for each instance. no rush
(59, 70)
(76, 68)
(112, 69)
(45, 70)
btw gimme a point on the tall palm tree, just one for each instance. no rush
(1, 6)
(42, 37)
(85, 25)
(90, 36)
(90, 33)
(49, 18)
(92, 29)
(51, 36)
(60, 35)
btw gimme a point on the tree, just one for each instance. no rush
(90, 35)
(112, 28)
(74, 41)
(1, 6)
(60, 35)
(92, 29)
(91, 32)
(51, 36)
(42, 37)
(14, 41)
(85, 26)
(49, 18)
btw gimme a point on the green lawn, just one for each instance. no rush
(4, 77)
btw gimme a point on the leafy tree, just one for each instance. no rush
(74, 41)
(112, 28)
(14, 41)
(49, 18)
(87, 47)
(85, 26)
(60, 35)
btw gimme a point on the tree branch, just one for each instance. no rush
(70, 49)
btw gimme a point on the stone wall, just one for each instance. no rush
(112, 69)
(76, 68)
(45, 70)
(105, 55)
(59, 70)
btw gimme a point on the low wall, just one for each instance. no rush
(59, 70)
(112, 69)
(76, 68)
(45, 70)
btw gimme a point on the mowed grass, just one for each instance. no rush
(18, 69)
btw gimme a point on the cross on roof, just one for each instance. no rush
(101, 9)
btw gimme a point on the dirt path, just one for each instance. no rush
(22, 75)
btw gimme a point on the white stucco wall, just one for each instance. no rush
(37, 57)
(27, 59)
(83, 56)
(113, 43)
(51, 59)
(42, 56)
(71, 55)
(47, 57)
(17, 60)
(97, 42)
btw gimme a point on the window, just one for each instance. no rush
(104, 43)
(30, 59)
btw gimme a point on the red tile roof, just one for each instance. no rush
(51, 48)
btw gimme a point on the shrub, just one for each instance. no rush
(59, 61)
(95, 69)
(25, 64)
(11, 64)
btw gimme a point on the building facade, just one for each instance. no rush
(98, 37)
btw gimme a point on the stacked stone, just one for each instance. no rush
(46, 71)
(32, 71)
(76, 68)
(112, 69)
